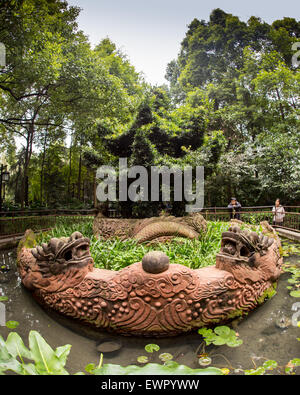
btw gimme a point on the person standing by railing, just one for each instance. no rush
(234, 208)
(279, 213)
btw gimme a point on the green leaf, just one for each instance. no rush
(234, 343)
(165, 357)
(90, 368)
(221, 335)
(270, 365)
(7, 361)
(16, 347)
(223, 331)
(288, 370)
(63, 352)
(3, 298)
(29, 369)
(142, 359)
(295, 362)
(295, 294)
(219, 341)
(255, 372)
(152, 347)
(46, 360)
(11, 364)
(171, 364)
(155, 369)
(12, 324)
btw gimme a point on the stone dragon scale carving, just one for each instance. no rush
(153, 297)
(154, 229)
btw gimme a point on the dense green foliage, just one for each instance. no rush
(115, 254)
(41, 359)
(245, 71)
(55, 86)
(232, 106)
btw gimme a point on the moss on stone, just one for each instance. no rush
(28, 240)
(280, 251)
(236, 313)
(268, 293)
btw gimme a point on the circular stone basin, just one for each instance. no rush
(152, 297)
(109, 345)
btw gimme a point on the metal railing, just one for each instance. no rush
(45, 212)
(255, 215)
(44, 219)
(18, 225)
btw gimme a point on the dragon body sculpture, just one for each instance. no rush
(153, 297)
(151, 229)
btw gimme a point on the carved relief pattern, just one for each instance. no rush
(158, 306)
(134, 302)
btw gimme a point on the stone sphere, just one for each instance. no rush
(155, 262)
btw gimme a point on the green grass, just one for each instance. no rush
(64, 229)
(115, 254)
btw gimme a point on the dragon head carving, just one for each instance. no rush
(242, 245)
(247, 254)
(59, 255)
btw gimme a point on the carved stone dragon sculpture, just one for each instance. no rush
(153, 297)
(151, 229)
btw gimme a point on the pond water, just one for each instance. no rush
(267, 332)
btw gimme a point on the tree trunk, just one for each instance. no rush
(95, 190)
(280, 105)
(26, 191)
(28, 152)
(43, 168)
(70, 168)
(79, 175)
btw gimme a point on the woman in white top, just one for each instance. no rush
(279, 213)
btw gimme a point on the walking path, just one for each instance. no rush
(289, 234)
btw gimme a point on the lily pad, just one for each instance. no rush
(205, 361)
(295, 294)
(166, 357)
(270, 365)
(142, 359)
(220, 336)
(152, 347)
(3, 298)
(12, 324)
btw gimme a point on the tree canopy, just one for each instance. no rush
(231, 105)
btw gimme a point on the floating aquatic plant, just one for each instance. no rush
(221, 335)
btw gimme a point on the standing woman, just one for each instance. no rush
(279, 213)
